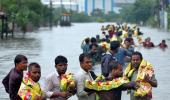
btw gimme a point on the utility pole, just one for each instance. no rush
(61, 2)
(112, 5)
(93, 6)
(51, 15)
(163, 14)
(104, 7)
(70, 6)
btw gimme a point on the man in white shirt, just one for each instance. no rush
(52, 82)
(86, 65)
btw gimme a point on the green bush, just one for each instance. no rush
(152, 22)
(169, 21)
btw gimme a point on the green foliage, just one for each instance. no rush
(169, 21)
(25, 12)
(80, 17)
(152, 22)
(141, 11)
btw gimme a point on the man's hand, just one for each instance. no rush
(37, 97)
(147, 78)
(64, 94)
(133, 84)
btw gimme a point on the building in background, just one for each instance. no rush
(105, 5)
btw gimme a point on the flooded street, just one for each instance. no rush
(43, 46)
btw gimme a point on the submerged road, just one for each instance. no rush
(44, 45)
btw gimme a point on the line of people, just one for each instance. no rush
(26, 87)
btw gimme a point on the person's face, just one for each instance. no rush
(61, 68)
(86, 65)
(117, 72)
(22, 65)
(94, 49)
(35, 74)
(127, 43)
(136, 60)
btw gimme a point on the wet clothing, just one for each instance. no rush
(85, 48)
(161, 45)
(145, 68)
(122, 53)
(81, 94)
(114, 94)
(52, 84)
(12, 83)
(108, 57)
(132, 97)
(105, 60)
(148, 44)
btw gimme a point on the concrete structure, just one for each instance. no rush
(105, 5)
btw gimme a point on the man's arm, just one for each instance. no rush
(12, 88)
(5, 82)
(80, 87)
(48, 86)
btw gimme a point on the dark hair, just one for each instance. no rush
(97, 36)
(113, 65)
(93, 40)
(163, 41)
(60, 59)
(82, 56)
(103, 32)
(33, 64)
(114, 45)
(128, 39)
(87, 40)
(137, 53)
(19, 58)
(91, 45)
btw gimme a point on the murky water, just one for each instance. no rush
(43, 46)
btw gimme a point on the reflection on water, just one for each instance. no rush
(45, 45)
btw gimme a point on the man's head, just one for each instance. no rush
(61, 64)
(127, 42)
(87, 40)
(163, 41)
(21, 62)
(136, 59)
(116, 69)
(93, 48)
(93, 40)
(114, 46)
(34, 71)
(85, 62)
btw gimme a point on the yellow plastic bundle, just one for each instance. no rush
(104, 45)
(145, 68)
(106, 85)
(143, 90)
(29, 89)
(67, 82)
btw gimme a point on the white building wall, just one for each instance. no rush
(98, 4)
(108, 6)
(90, 6)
